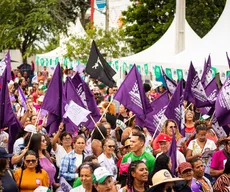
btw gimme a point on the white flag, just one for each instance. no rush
(74, 109)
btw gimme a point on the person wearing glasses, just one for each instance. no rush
(71, 161)
(107, 159)
(31, 175)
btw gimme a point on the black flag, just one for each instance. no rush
(98, 68)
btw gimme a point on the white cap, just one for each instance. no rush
(156, 84)
(30, 128)
(41, 98)
(100, 174)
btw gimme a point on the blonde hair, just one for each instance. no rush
(111, 109)
(164, 128)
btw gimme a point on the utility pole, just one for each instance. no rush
(107, 16)
(180, 25)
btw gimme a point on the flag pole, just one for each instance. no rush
(105, 110)
(97, 127)
(211, 117)
(188, 107)
(129, 118)
(37, 117)
(158, 126)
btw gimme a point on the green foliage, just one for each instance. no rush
(146, 21)
(25, 23)
(203, 14)
(110, 43)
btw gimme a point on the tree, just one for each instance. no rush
(25, 23)
(146, 21)
(110, 43)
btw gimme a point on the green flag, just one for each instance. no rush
(168, 72)
(146, 68)
(157, 71)
(179, 74)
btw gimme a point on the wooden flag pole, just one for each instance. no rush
(97, 127)
(105, 110)
(210, 121)
(188, 106)
(129, 118)
(158, 126)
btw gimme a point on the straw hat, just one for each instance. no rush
(163, 176)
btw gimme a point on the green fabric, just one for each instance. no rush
(146, 157)
(77, 182)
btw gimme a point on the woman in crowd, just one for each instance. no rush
(31, 175)
(38, 144)
(167, 129)
(189, 123)
(107, 159)
(137, 177)
(110, 113)
(73, 160)
(128, 130)
(163, 161)
(85, 172)
(6, 175)
(201, 146)
(223, 182)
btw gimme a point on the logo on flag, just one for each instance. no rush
(97, 64)
(135, 95)
(224, 98)
(81, 94)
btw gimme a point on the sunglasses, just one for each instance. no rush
(172, 127)
(33, 161)
(111, 146)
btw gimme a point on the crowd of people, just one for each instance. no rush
(117, 155)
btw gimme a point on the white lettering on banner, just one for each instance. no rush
(135, 95)
(96, 65)
(198, 89)
(224, 98)
(218, 129)
(81, 94)
(159, 118)
(2, 67)
(213, 95)
(170, 86)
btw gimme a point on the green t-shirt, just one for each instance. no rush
(77, 182)
(147, 158)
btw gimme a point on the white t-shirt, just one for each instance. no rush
(78, 189)
(59, 153)
(18, 146)
(196, 149)
(4, 136)
(180, 158)
(109, 164)
(79, 159)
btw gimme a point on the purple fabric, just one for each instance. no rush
(155, 118)
(49, 168)
(132, 95)
(7, 61)
(7, 116)
(22, 98)
(207, 72)
(175, 108)
(80, 68)
(194, 90)
(171, 85)
(223, 104)
(172, 154)
(87, 98)
(228, 59)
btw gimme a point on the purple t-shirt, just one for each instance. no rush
(218, 160)
(49, 168)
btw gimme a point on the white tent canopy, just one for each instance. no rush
(165, 47)
(216, 43)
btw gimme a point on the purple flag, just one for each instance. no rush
(171, 85)
(222, 105)
(87, 99)
(175, 108)
(71, 94)
(172, 154)
(155, 119)
(22, 98)
(7, 116)
(211, 91)
(53, 99)
(6, 61)
(207, 73)
(132, 95)
(217, 128)
(194, 90)
(228, 59)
